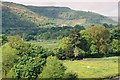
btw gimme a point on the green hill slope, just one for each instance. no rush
(67, 16)
(18, 16)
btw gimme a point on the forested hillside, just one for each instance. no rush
(31, 22)
(32, 16)
(70, 17)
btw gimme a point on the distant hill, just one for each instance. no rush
(17, 16)
(67, 16)
(115, 18)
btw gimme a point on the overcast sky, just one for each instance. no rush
(104, 7)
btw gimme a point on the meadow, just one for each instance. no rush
(46, 43)
(94, 67)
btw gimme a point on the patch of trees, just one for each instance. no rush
(24, 60)
(96, 41)
(37, 34)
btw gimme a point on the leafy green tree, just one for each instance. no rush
(9, 55)
(100, 36)
(115, 33)
(114, 41)
(27, 67)
(106, 25)
(88, 41)
(30, 64)
(75, 38)
(86, 35)
(53, 69)
(65, 43)
(60, 53)
(115, 46)
(15, 41)
(65, 49)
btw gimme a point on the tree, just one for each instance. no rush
(30, 64)
(14, 41)
(72, 46)
(80, 27)
(115, 46)
(115, 33)
(87, 39)
(9, 55)
(114, 40)
(106, 25)
(53, 69)
(75, 38)
(100, 36)
(65, 49)
(64, 43)
(60, 53)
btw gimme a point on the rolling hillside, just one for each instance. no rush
(69, 16)
(18, 16)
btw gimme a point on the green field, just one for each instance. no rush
(94, 67)
(46, 44)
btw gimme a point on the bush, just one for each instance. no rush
(53, 69)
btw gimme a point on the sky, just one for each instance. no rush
(104, 7)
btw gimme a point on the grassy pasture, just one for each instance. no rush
(46, 44)
(94, 67)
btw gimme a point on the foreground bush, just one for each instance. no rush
(53, 69)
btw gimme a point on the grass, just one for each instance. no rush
(46, 44)
(94, 67)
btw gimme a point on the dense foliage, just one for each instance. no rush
(39, 34)
(53, 69)
(96, 41)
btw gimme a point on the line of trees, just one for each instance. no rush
(96, 41)
(36, 34)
